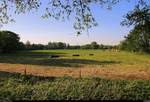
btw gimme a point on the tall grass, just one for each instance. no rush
(20, 87)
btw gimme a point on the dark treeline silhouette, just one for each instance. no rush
(62, 45)
(10, 42)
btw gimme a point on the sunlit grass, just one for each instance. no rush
(106, 75)
(108, 64)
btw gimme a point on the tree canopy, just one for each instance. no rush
(58, 9)
(9, 42)
(139, 38)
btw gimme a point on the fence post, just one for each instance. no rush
(25, 70)
(80, 73)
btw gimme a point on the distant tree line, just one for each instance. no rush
(10, 42)
(62, 45)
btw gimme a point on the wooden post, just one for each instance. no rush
(25, 71)
(80, 73)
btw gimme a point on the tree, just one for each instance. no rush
(56, 45)
(28, 45)
(80, 10)
(37, 47)
(61, 45)
(21, 46)
(139, 38)
(94, 45)
(131, 42)
(87, 46)
(9, 41)
(101, 46)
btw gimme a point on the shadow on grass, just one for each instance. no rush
(32, 78)
(74, 62)
(42, 58)
(32, 54)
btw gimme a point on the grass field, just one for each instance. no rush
(104, 64)
(106, 75)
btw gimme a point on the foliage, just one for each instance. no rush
(131, 43)
(9, 42)
(29, 46)
(87, 46)
(56, 45)
(80, 10)
(139, 38)
(74, 47)
(94, 45)
(21, 46)
(62, 45)
(20, 87)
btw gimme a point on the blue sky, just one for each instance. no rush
(32, 27)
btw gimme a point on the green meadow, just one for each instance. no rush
(104, 75)
(100, 57)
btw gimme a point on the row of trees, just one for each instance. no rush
(61, 45)
(10, 42)
(95, 45)
(138, 40)
(50, 45)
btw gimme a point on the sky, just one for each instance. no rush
(32, 27)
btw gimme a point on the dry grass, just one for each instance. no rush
(111, 65)
(115, 72)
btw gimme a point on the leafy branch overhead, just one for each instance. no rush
(58, 9)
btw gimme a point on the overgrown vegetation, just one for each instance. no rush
(139, 38)
(21, 87)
